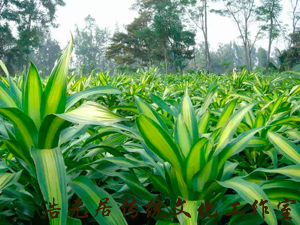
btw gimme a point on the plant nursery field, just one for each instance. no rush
(149, 148)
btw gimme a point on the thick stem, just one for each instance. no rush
(190, 207)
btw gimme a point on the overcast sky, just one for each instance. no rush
(109, 12)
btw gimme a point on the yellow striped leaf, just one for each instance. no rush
(7, 179)
(91, 113)
(251, 192)
(182, 136)
(100, 90)
(189, 116)
(290, 171)
(229, 128)
(236, 146)
(207, 174)
(147, 110)
(49, 131)
(55, 94)
(91, 195)
(159, 141)
(52, 178)
(228, 110)
(203, 122)
(195, 160)
(7, 99)
(25, 130)
(285, 147)
(32, 96)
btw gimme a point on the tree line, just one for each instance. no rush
(163, 35)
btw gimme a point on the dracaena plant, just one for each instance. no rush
(193, 160)
(33, 118)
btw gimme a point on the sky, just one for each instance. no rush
(109, 12)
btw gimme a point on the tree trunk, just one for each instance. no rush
(246, 55)
(195, 65)
(166, 60)
(270, 42)
(246, 41)
(207, 54)
(250, 58)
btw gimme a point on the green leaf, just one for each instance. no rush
(99, 90)
(14, 90)
(7, 98)
(251, 192)
(130, 108)
(55, 94)
(247, 219)
(159, 183)
(189, 116)
(159, 141)
(162, 104)
(160, 222)
(294, 213)
(91, 113)
(33, 95)
(285, 147)
(287, 120)
(290, 171)
(260, 120)
(279, 193)
(280, 184)
(190, 207)
(182, 136)
(229, 128)
(7, 179)
(52, 178)
(49, 132)
(25, 130)
(92, 195)
(229, 167)
(226, 113)
(146, 109)
(236, 146)
(256, 142)
(73, 221)
(204, 122)
(2, 65)
(135, 185)
(102, 78)
(195, 160)
(124, 162)
(208, 173)
(18, 152)
(211, 91)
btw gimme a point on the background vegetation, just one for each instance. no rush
(163, 35)
(168, 119)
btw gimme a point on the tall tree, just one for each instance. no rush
(137, 45)
(295, 6)
(30, 18)
(90, 45)
(175, 41)
(262, 56)
(198, 13)
(269, 13)
(243, 13)
(295, 14)
(291, 57)
(158, 35)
